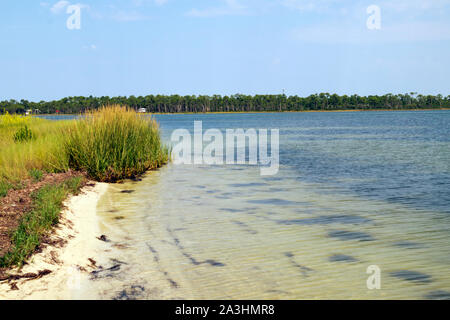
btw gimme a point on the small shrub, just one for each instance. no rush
(36, 174)
(23, 134)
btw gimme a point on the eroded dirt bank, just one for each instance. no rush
(67, 257)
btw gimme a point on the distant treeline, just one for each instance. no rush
(234, 103)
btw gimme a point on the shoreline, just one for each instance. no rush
(251, 112)
(292, 111)
(67, 258)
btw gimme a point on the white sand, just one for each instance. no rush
(69, 264)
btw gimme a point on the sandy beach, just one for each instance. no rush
(67, 259)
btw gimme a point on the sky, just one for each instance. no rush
(193, 47)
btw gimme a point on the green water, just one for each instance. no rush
(353, 190)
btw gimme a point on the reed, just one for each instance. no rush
(115, 143)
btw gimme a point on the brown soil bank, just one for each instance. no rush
(66, 258)
(19, 202)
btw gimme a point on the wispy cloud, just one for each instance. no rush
(230, 7)
(402, 21)
(313, 5)
(128, 16)
(92, 47)
(59, 6)
(404, 5)
(355, 34)
(135, 10)
(140, 3)
(161, 2)
(390, 5)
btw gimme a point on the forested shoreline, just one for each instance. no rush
(233, 103)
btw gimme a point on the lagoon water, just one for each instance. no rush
(354, 189)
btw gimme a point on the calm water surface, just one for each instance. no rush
(354, 189)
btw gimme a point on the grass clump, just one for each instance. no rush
(4, 188)
(115, 143)
(47, 204)
(36, 175)
(24, 134)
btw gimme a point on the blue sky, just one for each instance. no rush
(140, 47)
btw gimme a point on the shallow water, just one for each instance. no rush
(354, 189)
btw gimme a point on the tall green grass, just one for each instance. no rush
(20, 157)
(47, 203)
(110, 144)
(115, 143)
(4, 188)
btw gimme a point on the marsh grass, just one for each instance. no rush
(4, 187)
(36, 174)
(24, 134)
(47, 203)
(8, 120)
(44, 152)
(110, 144)
(115, 143)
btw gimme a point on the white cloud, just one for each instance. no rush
(404, 5)
(391, 5)
(140, 3)
(355, 34)
(136, 10)
(401, 21)
(92, 47)
(161, 2)
(59, 6)
(230, 7)
(311, 5)
(124, 16)
(300, 5)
